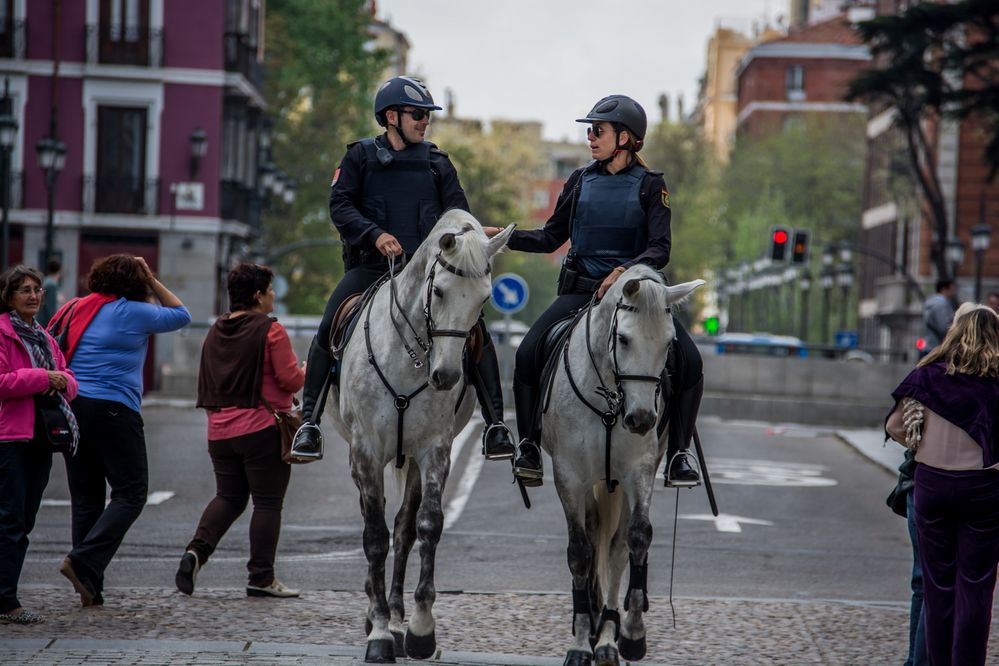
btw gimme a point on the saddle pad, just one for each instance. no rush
(548, 354)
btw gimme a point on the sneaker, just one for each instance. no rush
(680, 474)
(496, 442)
(527, 467)
(187, 572)
(308, 443)
(85, 590)
(275, 589)
(22, 617)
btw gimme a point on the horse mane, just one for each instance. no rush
(650, 302)
(470, 251)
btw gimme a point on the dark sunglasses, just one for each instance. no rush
(596, 130)
(417, 114)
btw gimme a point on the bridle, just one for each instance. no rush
(613, 397)
(403, 400)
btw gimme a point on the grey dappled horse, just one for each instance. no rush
(411, 337)
(599, 428)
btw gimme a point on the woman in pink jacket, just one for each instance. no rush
(30, 364)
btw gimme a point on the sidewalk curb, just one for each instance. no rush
(872, 445)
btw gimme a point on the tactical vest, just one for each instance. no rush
(609, 227)
(401, 197)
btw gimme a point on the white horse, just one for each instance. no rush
(599, 428)
(404, 401)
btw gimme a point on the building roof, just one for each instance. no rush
(831, 39)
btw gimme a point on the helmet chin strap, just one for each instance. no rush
(617, 150)
(398, 129)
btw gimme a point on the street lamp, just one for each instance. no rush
(51, 158)
(266, 176)
(277, 187)
(805, 284)
(8, 136)
(954, 252)
(844, 278)
(199, 147)
(826, 282)
(981, 235)
(290, 190)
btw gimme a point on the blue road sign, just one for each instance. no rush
(509, 293)
(846, 339)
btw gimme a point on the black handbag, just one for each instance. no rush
(51, 425)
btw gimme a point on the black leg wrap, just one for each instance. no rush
(631, 649)
(608, 615)
(638, 580)
(581, 605)
(381, 651)
(420, 647)
(577, 658)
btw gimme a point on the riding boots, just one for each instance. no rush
(308, 443)
(683, 418)
(527, 467)
(496, 441)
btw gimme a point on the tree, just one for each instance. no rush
(931, 62)
(320, 81)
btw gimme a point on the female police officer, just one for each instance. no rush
(616, 213)
(385, 198)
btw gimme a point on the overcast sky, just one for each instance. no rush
(550, 60)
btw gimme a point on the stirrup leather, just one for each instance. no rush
(684, 454)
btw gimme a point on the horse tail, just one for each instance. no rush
(608, 518)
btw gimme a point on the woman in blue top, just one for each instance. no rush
(108, 360)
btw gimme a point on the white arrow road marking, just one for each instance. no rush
(457, 504)
(727, 523)
(154, 498)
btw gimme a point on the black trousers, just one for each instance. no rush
(24, 473)
(112, 451)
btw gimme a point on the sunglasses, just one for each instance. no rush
(417, 114)
(596, 130)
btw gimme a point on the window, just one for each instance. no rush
(794, 82)
(121, 160)
(124, 32)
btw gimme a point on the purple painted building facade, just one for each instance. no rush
(125, 84)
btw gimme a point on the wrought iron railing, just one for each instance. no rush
(120, 195)
(147, 51)
(241, 56)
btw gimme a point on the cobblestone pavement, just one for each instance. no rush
(150, 626)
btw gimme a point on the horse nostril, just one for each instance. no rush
(639, 422)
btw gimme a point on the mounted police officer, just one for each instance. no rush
(616, 212)
(385, 197)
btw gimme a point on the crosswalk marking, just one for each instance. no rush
(154, 498)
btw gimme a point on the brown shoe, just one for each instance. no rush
(85, 591)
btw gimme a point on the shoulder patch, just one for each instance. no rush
(336, 177)
(665, 197)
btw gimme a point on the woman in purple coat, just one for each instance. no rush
(946, 411)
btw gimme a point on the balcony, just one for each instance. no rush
(13, 40)
(146, 50)
(240, 203)
(241, 56)
(120, 195)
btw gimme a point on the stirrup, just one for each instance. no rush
(684, 454)
(508, 455)
(307, 456)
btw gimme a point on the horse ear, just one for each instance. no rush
(631, 288)
(447, 242)
(498, 242)
(680, 292)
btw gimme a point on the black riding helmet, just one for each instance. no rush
(402, 91)
(620, 110)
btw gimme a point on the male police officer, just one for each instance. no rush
(385, 198)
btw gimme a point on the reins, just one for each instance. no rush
(614, 398)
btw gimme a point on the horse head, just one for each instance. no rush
(640, 332)
(458, 276)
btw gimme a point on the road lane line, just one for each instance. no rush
(457, 504)
(154, 498)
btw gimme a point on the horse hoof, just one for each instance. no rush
(420, 647)
(631, 649)
(606, 655)
(577, 658)
(400, 643)
(380, 651)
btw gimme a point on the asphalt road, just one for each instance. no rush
(803, 518)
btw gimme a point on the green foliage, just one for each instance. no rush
(320, 81)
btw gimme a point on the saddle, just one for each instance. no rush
(547, 357)
(344, 323)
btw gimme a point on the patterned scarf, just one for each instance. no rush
(36, 340)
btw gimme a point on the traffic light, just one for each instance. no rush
(779, 238)
(711, 325)
(799, 248)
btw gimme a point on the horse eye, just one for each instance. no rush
(622, 340)
(438, 292)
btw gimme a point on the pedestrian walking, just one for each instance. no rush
(248, 372)
(107, 339)
(616, 211)
(386, 196)
(946, 411)
(31, 366)
(938, 313)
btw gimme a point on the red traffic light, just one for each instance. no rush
(921, 344)
(780, 236)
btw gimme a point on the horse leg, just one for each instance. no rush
(421, 643)
(631, 642)
(369, 481)
(579, 554)
(609, 537)
(404, 536)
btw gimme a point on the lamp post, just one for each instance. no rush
(844, 278)
(805, 285)
(981, 235)
(826, 279)
(8, 136)
(51, 158)
(954, 252)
